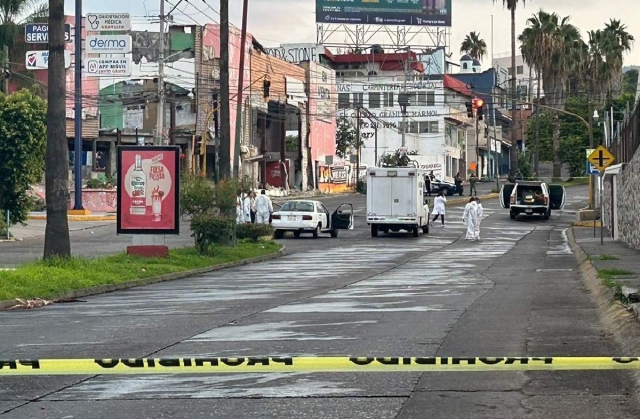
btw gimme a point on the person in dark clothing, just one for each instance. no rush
(458, 182)
(427, 185)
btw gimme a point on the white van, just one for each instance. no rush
(395, 200)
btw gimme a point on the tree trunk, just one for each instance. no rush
(557, 164)
(56, 240)
(536, 157)
(513, 151)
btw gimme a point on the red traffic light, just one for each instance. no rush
(478, 103)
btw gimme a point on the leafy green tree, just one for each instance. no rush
(346, 138)
(512, 5)
(22, 147)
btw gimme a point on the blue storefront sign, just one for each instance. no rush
(38, 33)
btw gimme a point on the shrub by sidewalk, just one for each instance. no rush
(47, 279)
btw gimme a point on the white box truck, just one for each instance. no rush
(395, 200)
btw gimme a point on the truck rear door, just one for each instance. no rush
(403, 196)
(380, 195)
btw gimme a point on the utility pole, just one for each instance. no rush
(225, 124)
(160, 110)
(77, 155)
(478, 172)
(404, 113)
(358, 144)
(243, 41)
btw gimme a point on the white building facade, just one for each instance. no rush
(437, 123)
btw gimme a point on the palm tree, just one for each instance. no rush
(556, 49)
(57, 242)
(474, 46)
(512, 5)
(14, 14)
(533, 50)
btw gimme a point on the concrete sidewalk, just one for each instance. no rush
(36, 228)
(616, 261)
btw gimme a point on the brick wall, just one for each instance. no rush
(277, 70)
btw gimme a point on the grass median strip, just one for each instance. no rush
(46, 279)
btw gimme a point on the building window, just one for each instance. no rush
(421, 99)
(343, 101)
(388, 99)
(358, 99)
(520, 69)
(428, 127)
(374, 100)
(431, 98)
(465, 66)
(414, 127)
(511, 71)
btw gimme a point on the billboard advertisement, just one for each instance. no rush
(148, 190)
(384, 12)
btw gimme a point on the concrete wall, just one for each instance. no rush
(628, 197)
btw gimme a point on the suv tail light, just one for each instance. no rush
(275, 217)
(546, 200)
(512, 199)
(307, 217)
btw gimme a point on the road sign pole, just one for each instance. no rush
(77, 205)
(601, 215)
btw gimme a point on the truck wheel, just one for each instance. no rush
(316, 232)
(374, 230)
(512, 215)
(296, 234)
(334, 233)
(278, 234)
(547, 215)
(416, 232)
(425, 229)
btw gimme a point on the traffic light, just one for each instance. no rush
(469, 109)
(478, 104)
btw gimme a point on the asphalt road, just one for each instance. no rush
(436, 295)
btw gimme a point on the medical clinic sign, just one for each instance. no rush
(108, 44)
(148, 190)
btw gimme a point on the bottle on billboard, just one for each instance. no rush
(156, 203)
(138, 182)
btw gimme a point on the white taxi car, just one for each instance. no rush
(306, 216)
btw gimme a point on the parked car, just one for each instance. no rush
(306, 216)
(448, 188)
(532, 198)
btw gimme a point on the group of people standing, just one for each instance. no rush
(254, 209)
(472, 217)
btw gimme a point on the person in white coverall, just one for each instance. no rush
(264, 208)
(439, 208)
(470, 218)
(480, 212)
(239, 210)
(246, 208)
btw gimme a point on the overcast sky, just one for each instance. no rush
(293, 21)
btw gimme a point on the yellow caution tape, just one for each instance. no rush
(306, 364)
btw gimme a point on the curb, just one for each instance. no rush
(616, 319)
(585, 224)
(102, 289)
(464, 200)
(77, 217)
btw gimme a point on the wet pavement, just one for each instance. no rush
(517, 292)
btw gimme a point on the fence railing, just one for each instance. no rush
(626, 143)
